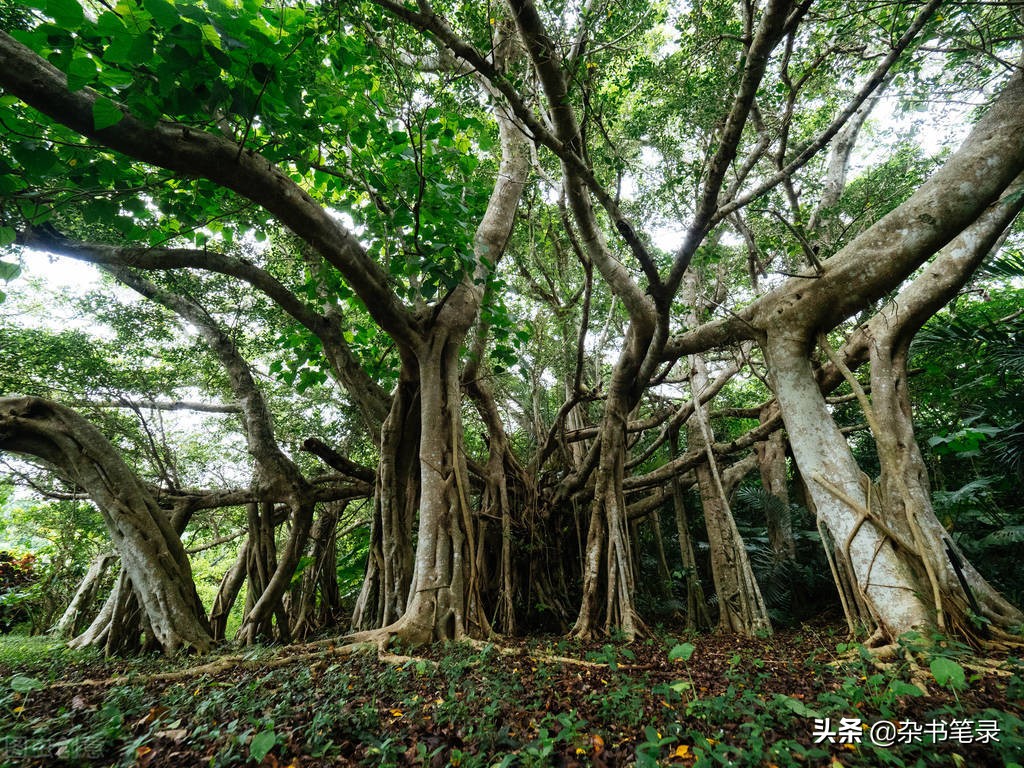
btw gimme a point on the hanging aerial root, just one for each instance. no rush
(841, 587)
(864, 514)
(917, 534)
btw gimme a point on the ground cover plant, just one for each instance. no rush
(713, 701)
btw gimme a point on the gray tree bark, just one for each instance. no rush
(151, 552)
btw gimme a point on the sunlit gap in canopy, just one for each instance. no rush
(30, 295)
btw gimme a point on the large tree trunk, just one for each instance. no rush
(958, 592)
(276, 475)
(121, 627)
(151, 551)
(960, 596)
(608, 564)
(940, 215)
(741, 607)
(444, 599)
(883, 578)
(385, 589)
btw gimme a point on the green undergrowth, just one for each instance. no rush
(701, 701)
(41, 655)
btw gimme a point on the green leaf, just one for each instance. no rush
(120, 50)
(948, 672)
(9, 271)
(81, 72)
(109, 24)
(211, 35)
(682, 652)
(115, 78)
(7, 236)
(34, 159)
(796, 706)
(163, 12)
(900, 688)
(67, 13)
(261, 744)
(23, 684)
(105, 113)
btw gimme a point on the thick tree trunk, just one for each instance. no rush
(884, 581)
(444, 600)
(939, 215)
(608, 563)
(275, 473)
(319, 578)
(385, 589)
(151, 551)
(892, 558)
(960, 597)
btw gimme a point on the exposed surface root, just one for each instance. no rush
(224, 664)
(480, 645)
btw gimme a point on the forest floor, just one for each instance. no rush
(669, 699)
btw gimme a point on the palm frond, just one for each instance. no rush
(1009, 265)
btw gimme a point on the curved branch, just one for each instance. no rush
(372, 400)
(151, 551)
(728, 207)
(186, 150)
